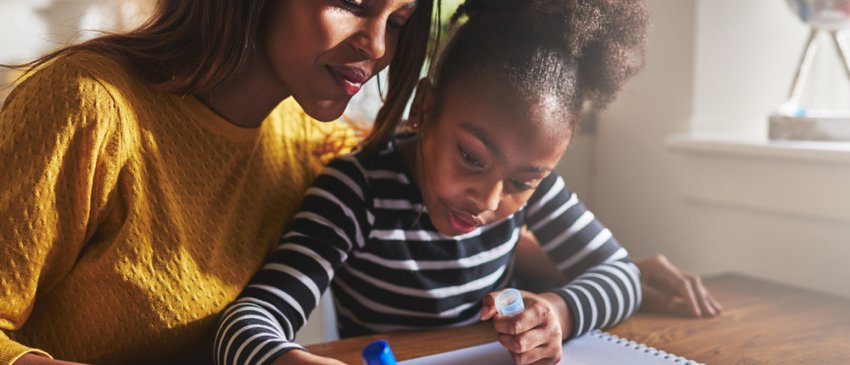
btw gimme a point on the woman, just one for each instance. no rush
(149, 170)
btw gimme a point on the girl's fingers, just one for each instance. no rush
(532, 347)
(532, 336)
(535, 314)
(488, 308)
(538, 356)
(526, 341)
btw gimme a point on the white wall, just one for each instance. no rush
(681, 201)
(31, 28)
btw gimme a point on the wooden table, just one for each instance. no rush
(762, 323)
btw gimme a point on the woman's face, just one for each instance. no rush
(322, 51)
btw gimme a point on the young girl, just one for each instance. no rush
(413, 231)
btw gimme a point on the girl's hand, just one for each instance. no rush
(300, 357)
(669, 289)
(535, 335)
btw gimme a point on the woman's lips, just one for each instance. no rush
(350, 79)
(462, 222)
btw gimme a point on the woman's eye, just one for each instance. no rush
(352, 5)
(395, 25)
(470, 159)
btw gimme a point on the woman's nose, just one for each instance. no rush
(371, 40)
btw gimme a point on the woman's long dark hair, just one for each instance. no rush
(191, 46)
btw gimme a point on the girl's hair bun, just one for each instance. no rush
(605, 38)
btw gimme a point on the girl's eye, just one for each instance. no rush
(470, 159)
(521, 186)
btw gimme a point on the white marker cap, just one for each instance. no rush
(509, 302)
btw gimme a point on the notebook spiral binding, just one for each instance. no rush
(641, 347)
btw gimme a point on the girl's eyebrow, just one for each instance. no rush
(478, 133)
(482, 136)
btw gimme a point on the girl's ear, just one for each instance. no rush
(422, 105)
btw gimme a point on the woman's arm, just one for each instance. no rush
(58, 141)
(261, 324)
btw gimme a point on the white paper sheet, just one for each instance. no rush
(594, 348)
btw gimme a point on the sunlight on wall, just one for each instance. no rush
(29, 29)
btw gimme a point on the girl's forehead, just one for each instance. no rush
(524, 137)
(523, 120)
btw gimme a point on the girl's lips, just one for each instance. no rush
(350, 79)
(462, 222)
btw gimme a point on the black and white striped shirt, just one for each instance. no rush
(363, 231)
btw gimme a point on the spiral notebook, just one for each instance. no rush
(594, 348)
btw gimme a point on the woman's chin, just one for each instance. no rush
(325, 110)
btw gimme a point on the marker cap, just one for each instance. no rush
(509, 302)
(378, 353)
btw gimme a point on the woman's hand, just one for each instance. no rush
(300, 357)
(669, 289)
(535, 335)
(33, 359)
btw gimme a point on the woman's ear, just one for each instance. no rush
(422, 105)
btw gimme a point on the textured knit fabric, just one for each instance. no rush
(130, 218)
(363, 231)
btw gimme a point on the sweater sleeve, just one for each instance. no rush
(55, 131)
(603, 286)
(334, 220)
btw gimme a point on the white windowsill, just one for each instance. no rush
(731, 146)
(805, 180)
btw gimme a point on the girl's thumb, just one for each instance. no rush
(488, 309)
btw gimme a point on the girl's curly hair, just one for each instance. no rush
(577, 51)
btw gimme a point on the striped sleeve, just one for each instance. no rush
(603, 283)
(332, 221)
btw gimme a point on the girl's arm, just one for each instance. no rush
(603, 284)
(334, 220)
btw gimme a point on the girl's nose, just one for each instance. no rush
(488, 197)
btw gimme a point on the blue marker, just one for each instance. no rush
(509, 302)
(378, 353)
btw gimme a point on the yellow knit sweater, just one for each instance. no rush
(129, 218)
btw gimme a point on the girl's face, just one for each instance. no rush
(322, 51)
(480, 160)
